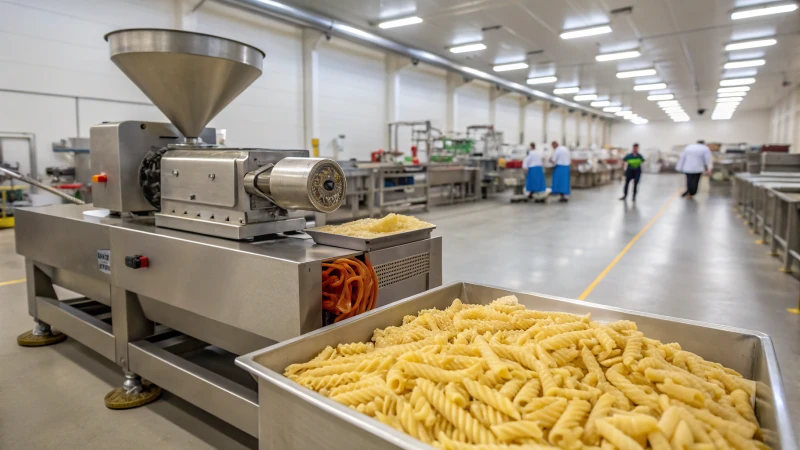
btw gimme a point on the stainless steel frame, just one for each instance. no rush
(293, 417)
(781, 225)
(199, 294)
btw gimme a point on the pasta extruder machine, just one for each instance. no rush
(190, 251)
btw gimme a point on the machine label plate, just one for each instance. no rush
(104, 261)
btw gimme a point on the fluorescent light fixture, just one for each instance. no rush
(737, 81)
(542, 80)
(649, 87)
(732, 94)
(636, 73)
(585, 97)
(612, 109)
(618, 55)
(730, 100)
(623, 113)
(567, 90)
(654, 98)
(673, 109)
(511, 66)
(744, 63)
(764, 10)
(639, 121)
(601, 103)
(400, 22)
(668, 103)
(474, 47)
(583, 32)
(743, 45)
(734, 89)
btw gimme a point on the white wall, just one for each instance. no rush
(472, 105)
(554, 131)
(423, 97)
(533, 123)
(507, 118)
(785, 121)
(352, 98)
(745, 126)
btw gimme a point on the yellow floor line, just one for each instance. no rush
(6, 283)
(627, 247)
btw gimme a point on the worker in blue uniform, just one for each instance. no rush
(633, 171)
(534, 174)
(562, 161)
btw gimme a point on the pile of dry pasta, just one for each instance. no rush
(501, 376)
(374, 228)
(349, 287)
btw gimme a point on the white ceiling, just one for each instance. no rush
(682, 39)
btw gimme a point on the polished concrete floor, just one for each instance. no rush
(696, 261)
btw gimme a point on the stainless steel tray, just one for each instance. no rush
(354, 243)
(293, 417)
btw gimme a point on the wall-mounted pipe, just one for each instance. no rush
(335, 28)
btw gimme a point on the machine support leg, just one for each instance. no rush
(791, 221)
(134, 392)
(39, 284)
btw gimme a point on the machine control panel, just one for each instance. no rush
(137, 261)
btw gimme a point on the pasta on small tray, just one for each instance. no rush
(500, 376)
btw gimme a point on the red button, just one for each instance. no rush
(145, 262)
(99, 178)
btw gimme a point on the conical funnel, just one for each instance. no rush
(189, 76)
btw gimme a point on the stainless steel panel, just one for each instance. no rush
(128, 323)
(369, 244)
(229, 230)
(223, 336)
(61, 236)
(207, 390)
(117, 150)
(98, 290)
(78, 325)
(270, 288)
(748, 352)
(205, 177)
(38, 284)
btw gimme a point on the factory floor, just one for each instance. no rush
(695, 260)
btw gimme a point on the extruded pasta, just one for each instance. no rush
(499, 376)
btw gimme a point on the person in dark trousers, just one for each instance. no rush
(694, 161)
(633, 171)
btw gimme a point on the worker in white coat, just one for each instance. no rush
(694, 161)
(562, 160)
(534, 174)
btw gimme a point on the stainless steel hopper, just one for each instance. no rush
(189, 76)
